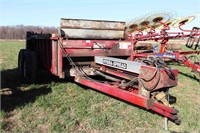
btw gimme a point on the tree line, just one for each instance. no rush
(19, 31)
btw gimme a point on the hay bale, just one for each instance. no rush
(173, 46)
(143, 47)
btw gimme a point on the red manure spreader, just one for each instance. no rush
(103, 55)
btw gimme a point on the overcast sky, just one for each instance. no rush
(49, 12)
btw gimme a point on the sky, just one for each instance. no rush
(49, 12)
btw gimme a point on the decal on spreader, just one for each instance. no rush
(127, 65)
(115, 63)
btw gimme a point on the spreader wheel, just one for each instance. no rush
(27, 66)
(20, 62)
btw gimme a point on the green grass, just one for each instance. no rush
(61, 106)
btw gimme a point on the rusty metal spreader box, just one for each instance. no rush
(92, 29)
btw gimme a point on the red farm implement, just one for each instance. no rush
(179, 56)
(163, 35)
(83, 49)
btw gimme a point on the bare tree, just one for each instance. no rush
(19, 31)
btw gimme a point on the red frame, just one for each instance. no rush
(132, 97)
(51, 50)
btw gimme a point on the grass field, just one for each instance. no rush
(54, 105)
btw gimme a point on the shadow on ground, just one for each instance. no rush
(13, 96)
(193, 77)
(190, 75)
(17, 98)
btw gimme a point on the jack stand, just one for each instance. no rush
(166, 123)
(165, 118)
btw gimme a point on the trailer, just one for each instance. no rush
(84, 49)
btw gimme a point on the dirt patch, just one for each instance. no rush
(44, 127)
(10, 121)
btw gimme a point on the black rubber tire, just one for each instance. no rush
(20, 62)
(33, 67)
(28, 66)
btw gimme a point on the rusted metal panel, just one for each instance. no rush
(60, 63)
(91, 24)
(92, 29)
(165, 79)
(81, 48)
(93, 34)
